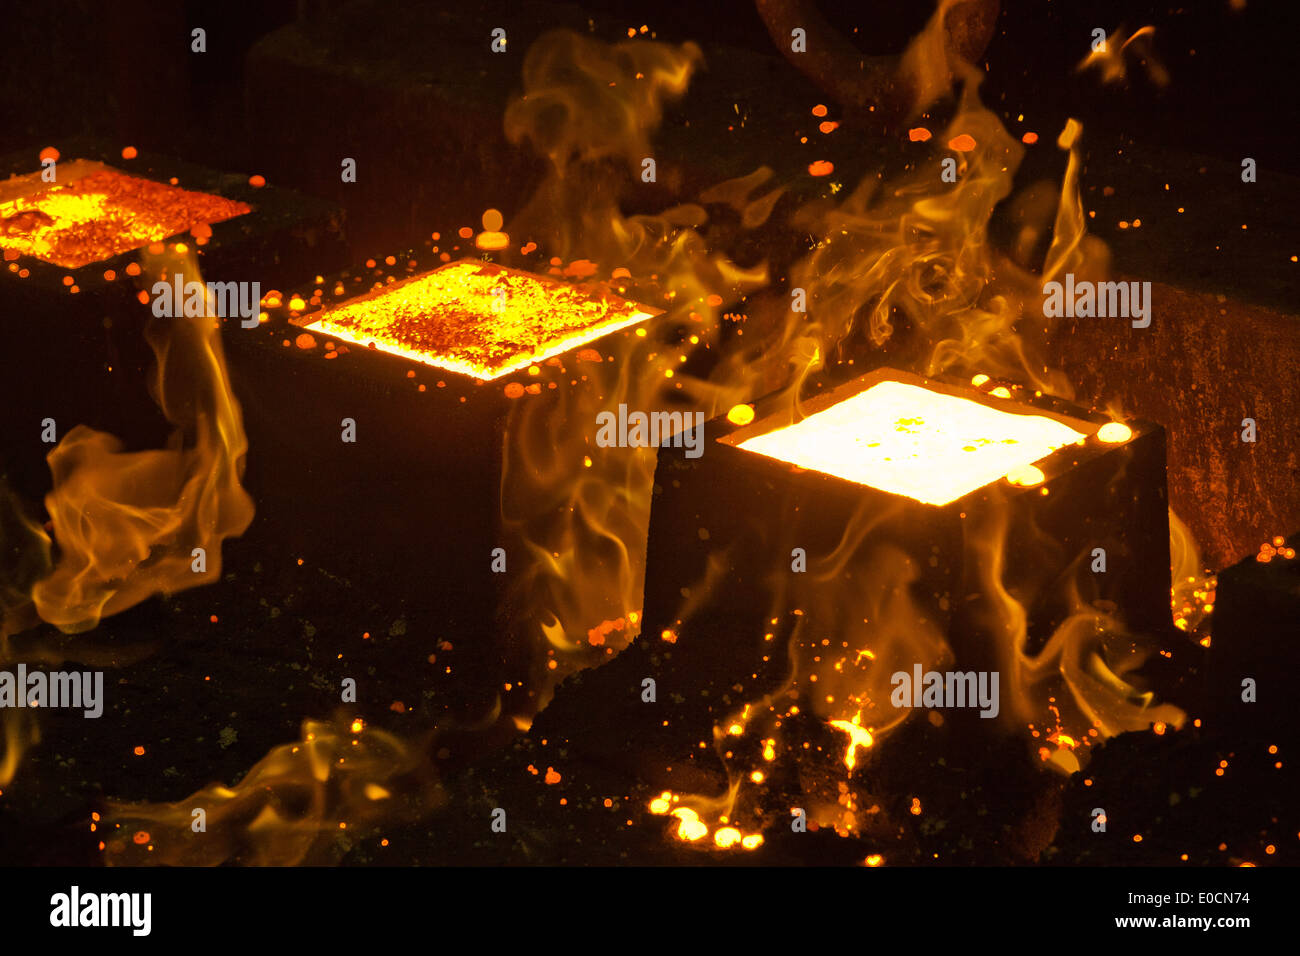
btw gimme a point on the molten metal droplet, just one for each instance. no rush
(1026, 476)
(1114, 432)
(741, 414)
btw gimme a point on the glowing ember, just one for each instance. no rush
(691, 828)
(859, 736)
(97, 213)
(911, 441)
(478, 319)
(741, 414)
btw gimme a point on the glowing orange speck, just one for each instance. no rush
(821, 167)
(139, 751)
(305, 341)
(130, 152)
(49, 153)
(918, 134)
(551, 776)
(963, 143)
(257, 181)
(819, 110)
(1029, 139)
(141, 837)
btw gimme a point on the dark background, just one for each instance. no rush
(286, 88)
(124, 69)
(412, 92)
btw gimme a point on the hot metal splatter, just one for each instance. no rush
(479, 319)
(100, 215)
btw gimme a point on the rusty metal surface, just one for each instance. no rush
(1206, 363)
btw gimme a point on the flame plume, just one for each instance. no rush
(582, 512)
(908, 264)
(126, 523)
(339, 780)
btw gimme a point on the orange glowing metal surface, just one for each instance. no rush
(912, 441)
(95, 212)
(479, 319)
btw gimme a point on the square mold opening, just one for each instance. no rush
(891, 470)
(922, 441)
(477, 319)
(431, 420)
(95, 212)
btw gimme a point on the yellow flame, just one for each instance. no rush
(581, 510)
(290, 808)
(127, 523)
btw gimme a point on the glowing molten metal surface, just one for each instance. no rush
(478, 319)
(911, 441)
(99, 213)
